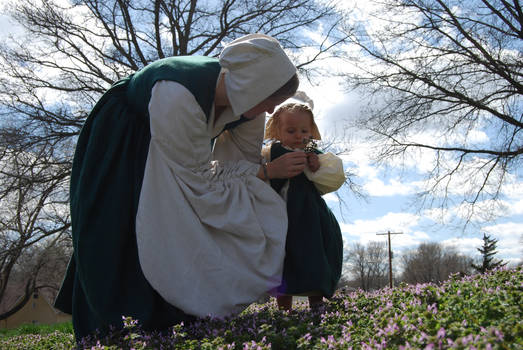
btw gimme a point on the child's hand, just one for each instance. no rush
(287, 166)
(313, 161)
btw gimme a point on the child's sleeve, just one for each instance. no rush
(330, 176)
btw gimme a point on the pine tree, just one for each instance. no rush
(488, 250)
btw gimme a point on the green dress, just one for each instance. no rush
(104, 280)
(314, 246)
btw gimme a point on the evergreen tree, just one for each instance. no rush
(488, 250)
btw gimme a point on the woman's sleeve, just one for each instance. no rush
(330, 176)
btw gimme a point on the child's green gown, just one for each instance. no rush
(314, 247)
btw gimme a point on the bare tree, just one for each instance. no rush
(39, 269)
(423, 264)
(68, 55)
(368, 265)
(34, 213)
(431, 262)
(446, 78)
(356, 259)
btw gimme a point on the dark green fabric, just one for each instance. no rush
(198, 74)
(314, 246)
(104, 280)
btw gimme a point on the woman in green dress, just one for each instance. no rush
(167, 197)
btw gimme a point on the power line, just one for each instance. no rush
(390, 253)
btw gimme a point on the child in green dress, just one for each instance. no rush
(314, 246)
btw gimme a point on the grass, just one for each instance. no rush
(473, 312)
(65, 327)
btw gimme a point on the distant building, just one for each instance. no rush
(37, 311)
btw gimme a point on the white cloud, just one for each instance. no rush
(464, 245)
(331, 197)
(516, 208)
(363, 169)
(377, 187)
(409, 240)
(402, 226)
(477, 136)
(513, 188)
(376, 181)
(482, 211)
(509, 247)
(366, 230)
(510, 240)
(333, 108)
(439, 215)
(7, 25)
(509, 235)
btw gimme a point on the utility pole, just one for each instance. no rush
(390, 253)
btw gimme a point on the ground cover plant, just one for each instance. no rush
(471, 312)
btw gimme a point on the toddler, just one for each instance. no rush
(314, 246)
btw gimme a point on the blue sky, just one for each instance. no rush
(391, 189)
(389, 202)
(389, 205)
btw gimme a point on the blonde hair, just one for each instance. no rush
(273, 124)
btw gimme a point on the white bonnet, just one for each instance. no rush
(301, 97)
(299, 102)
(257, 66)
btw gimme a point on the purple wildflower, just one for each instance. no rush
(441, 333)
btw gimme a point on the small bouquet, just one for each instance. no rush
(310, 145)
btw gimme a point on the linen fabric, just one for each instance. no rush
(247, 58)
(203, 238)
(330, 176)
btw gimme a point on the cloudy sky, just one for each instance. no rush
(390, 191)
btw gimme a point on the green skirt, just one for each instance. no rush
(314, 246)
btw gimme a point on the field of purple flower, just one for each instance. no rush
(473, 312)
